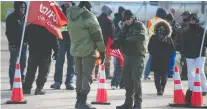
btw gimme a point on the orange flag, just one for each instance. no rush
(47, 14)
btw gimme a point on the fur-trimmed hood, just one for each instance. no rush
(166, 25)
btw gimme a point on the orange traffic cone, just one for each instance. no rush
(17, 93)
(179, 96)
(102, 96)
(197, 98)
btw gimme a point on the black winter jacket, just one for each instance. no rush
(192, 42)
(40, 41)
(14, 28)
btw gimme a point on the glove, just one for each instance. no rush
(54, 56)
(102, 57)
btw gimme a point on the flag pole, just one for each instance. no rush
(204, 34)
(25, 22)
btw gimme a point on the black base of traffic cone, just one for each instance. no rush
(178, 105)
(13, 102)
(105, 103)
(204, 106)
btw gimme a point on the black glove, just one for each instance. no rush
(102, 57)
(54, 56)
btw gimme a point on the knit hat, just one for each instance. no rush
(86, 4)
(195, 17)
(128, 14)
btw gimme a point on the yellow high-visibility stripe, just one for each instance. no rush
(64, 28)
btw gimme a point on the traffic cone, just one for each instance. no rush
(197, 98)
(179, 96)
(17, 93)
(102, 96)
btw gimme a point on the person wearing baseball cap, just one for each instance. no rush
(131, 42)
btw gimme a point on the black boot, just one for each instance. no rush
(55, 86)
(159, 92)
(78, 100)
(137, 106)
(162, 89)
(83, 104)
(127, 105)
(38, 91)
(69, 87)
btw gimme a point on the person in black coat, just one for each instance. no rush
(14, 29)
(191, 47)
(161, 48)
(41, 43)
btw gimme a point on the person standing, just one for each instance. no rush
(161, 14)
(175, 31)
(179, 40)
(64, 50)
(107, 27)
(14, 29)
(161, 49)
(191, 49)
(117, 79)
(86, 37)
(39, 56)
(132, 35)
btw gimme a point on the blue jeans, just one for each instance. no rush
(172, 64)
(14, 54)
(147, 67)
(117, 73)
(64, 48)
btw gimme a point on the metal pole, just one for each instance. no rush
(25, 22)
(204, 34)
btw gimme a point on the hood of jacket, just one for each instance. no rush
(17, 5)
(161, 13)
(74, 12)
(166, 25)
(121, 9)
(106, 10)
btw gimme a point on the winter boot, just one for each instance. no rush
(38, 91)
(127, 105)
(137, 106)
(69, 87)
(159, 92)
(162, 89)
(55, 86)
(137, 102)
(78, 100)
(83, 104)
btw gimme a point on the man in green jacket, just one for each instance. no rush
(131, 41)
(86, 37)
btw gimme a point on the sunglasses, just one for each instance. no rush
(128, 18)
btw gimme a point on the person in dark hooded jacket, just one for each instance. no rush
(14, 29)
(107, 27)
(175, 30)
(161, 14)
(161, 48)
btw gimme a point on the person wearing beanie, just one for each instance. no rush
(191, 49)
(107, 27)
(64, 49)
(178, 42)
(86, 38)
(161, 14)
(131, 42)
(175, 30)
(14, 29)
